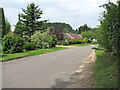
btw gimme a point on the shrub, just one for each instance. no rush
(44, 40)
(54, 41)
(94, 42)
(76, 41)
(83, 42)
(65, 43)
(12, 43)
(29, 46)
(86, 40)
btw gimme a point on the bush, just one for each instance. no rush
(75, 41)
(29, 46)
(83, 42)
(94, 42)
(86, 40)
(54, 41)
(65, 43)
(12, 43)
(44, 40)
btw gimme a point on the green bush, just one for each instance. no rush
(75, 41)
(12, 43)
(83, 42)
(44, 40)
(29, 46)
(86, 40)
(54, 41)
(65, 43)
(94, 42)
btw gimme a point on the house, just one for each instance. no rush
(71, 36)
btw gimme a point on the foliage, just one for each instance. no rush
(7, 26)
(86, 39)
(83, 29)
(88, 34)
(19, 27)
(54, 41)
(109, 30)
(30, 20)
(58, 31)
(2, 22)
(12, 43)
(94, 42)
(65, 43)
(29, 46)
(73, 41)
(44, 40)
(66, 27)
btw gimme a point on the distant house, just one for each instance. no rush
(71, 36)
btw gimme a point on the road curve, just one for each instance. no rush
(44, 71)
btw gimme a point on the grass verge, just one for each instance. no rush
(105, 71)
(6, 57)
(87, 44)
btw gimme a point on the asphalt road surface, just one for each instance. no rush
(50, 70)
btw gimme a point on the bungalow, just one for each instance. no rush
(68, 36)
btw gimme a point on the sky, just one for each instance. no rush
(74, 12)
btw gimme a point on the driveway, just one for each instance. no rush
(44, 71)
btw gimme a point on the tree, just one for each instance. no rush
(82, 29)
(88, 34)
(2, 21)
(66, 27)
(29, 18)
(58, 31)
(109, 30)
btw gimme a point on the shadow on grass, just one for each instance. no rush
(97, 48)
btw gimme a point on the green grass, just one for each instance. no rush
(87, 44)
(105, 71)
(6, 57)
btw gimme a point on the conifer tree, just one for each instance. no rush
(29, 18)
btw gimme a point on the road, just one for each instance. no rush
(44, 71)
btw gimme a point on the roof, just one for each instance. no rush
(72, 36)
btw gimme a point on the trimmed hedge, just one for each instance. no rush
(12, 43)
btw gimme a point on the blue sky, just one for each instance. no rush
(73, 12)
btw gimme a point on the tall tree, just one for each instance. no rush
(2, 21)
(58, 31)
(66, 27)
(109, 32)
(83, 28)
(29, 19)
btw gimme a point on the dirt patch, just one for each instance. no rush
(66, 46)
(83, 77)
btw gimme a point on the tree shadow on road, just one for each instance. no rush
(61, 84)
